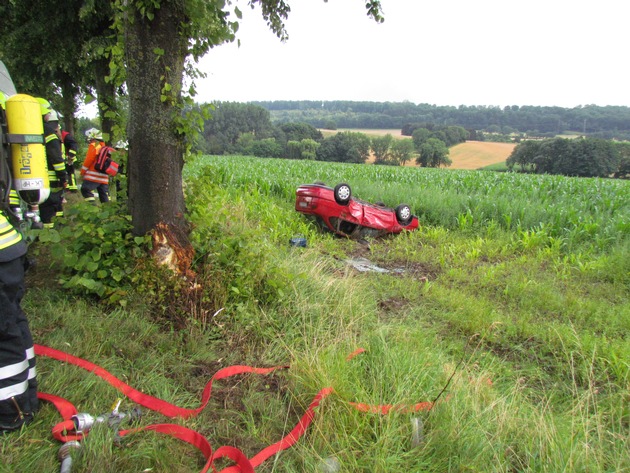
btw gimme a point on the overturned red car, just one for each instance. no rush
(338, 211)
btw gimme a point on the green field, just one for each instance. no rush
(509, 306)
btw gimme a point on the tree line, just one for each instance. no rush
(606, 122)
(246, 128)
(582, 157)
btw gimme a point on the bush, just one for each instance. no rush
(95, 250)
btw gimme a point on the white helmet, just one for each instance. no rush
(121, 145)
(93, 134)
(53, 116)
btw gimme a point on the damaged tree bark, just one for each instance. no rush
(155, 54)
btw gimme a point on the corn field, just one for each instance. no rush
(570, 213)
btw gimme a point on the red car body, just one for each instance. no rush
(354, 217)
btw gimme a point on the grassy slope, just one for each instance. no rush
(536, 331)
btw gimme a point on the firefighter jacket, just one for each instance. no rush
(56, 165)
(12, 245)
(87, 170)
(70, 147)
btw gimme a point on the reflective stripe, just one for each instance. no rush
(32, 373)
(8, 235)
(96, 177)
(14, 369)
(30, 353)
(14, 198)
(12, 391)
(9, 240)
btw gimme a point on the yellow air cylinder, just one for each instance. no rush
(28, 154)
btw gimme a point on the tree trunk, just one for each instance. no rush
(155, 149)
(106, 93)
(68, 103)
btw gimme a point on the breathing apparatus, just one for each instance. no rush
(23, 166)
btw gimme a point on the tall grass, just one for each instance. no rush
(591, 213)
(520, 335)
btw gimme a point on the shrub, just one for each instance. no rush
(96, 251)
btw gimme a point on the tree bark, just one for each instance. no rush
(155, 149)
(106, 92)
(68, 103)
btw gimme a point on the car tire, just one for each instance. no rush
(403, 214)
(343, 193)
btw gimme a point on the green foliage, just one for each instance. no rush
(266, 148)
(578, 157)
(402, 151)
(595, 121)
(95, 251)
(345, 147)
(246, 129)
(304, 149)
(230, 121)
(449, 135)
(623, 170)
(381, 146)
(433, 153)
(300, 131)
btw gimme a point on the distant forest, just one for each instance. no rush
(609, 122)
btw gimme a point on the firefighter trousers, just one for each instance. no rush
(18, 381)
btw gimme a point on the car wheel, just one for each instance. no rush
(342, 194)
(403, 214)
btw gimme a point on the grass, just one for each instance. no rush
(528, 339)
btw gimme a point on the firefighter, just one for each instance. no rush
(70, 148)
(18, 381)
(57, 175)
(92, 179)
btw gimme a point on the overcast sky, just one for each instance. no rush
(442, 52)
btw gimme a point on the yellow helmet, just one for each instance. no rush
(44, 105)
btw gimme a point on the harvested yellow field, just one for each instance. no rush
(477, 154)
(469, 155)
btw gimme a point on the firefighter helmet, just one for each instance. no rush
(44, 105)
(94, 134)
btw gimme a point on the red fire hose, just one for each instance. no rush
(65, 431)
